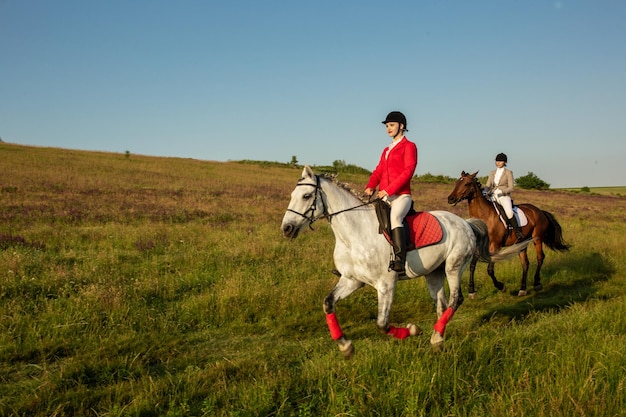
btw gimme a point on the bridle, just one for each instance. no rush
(325, 214)
(470, 195)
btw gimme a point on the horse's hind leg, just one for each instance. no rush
(435, 281)
(492, 274)
(344, 288)
(540, 257)
(445, 311)
(523, 256)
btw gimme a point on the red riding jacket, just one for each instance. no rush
(393, 174)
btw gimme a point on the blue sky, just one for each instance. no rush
(542, 81)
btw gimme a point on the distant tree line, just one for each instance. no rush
(529, 181)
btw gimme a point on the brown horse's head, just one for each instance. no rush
(465, 188)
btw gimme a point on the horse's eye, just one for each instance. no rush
(306, 196)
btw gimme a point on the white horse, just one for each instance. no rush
(362, 255)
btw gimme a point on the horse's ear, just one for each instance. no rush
(474, 174)
(307, 172)
(463, 173)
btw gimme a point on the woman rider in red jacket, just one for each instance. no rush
(393, 176)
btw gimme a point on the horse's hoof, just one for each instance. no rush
(522, 293)
(413, 329)
(437, 347)
(436, 341)
(538, 287)
(347, 348)
(472, 296)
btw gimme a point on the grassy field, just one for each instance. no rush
(143, 286)
(612, 191)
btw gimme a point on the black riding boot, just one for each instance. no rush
(518, 231)
(399, 250)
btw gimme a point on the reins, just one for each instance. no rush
(325, 213)
(329, 216)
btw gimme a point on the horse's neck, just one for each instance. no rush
(480, 206)
(360, 223)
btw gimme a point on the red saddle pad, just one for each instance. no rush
(424, 229)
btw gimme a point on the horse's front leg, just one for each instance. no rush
(344, 288)
(386, 290)
(472, 270)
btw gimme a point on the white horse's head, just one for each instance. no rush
(306, 205)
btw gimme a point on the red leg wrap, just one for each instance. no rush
(333, 326)
(440, 326)
(399, 332)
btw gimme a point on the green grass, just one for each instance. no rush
(139, 286)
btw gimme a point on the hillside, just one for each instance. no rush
(144, 286)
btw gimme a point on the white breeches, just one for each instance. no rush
(400, 206)
(507, 205)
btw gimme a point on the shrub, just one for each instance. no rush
(531, 182)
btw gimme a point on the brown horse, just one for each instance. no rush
(542, 227)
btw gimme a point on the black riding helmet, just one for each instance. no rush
(396, 116)
(501, 157)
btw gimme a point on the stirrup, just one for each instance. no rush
(397, 266)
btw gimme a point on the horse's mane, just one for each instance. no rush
(345, 186)
(480, 186)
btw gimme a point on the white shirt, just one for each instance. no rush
(496, 178)
(390, 147)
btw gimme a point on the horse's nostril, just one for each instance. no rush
(287, 230)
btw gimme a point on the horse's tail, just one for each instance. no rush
(482, 238)
(482, 244)
(554, 234)
(507, 252)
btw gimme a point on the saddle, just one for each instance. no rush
(522, 220)
(519, 214)
(423, 228)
